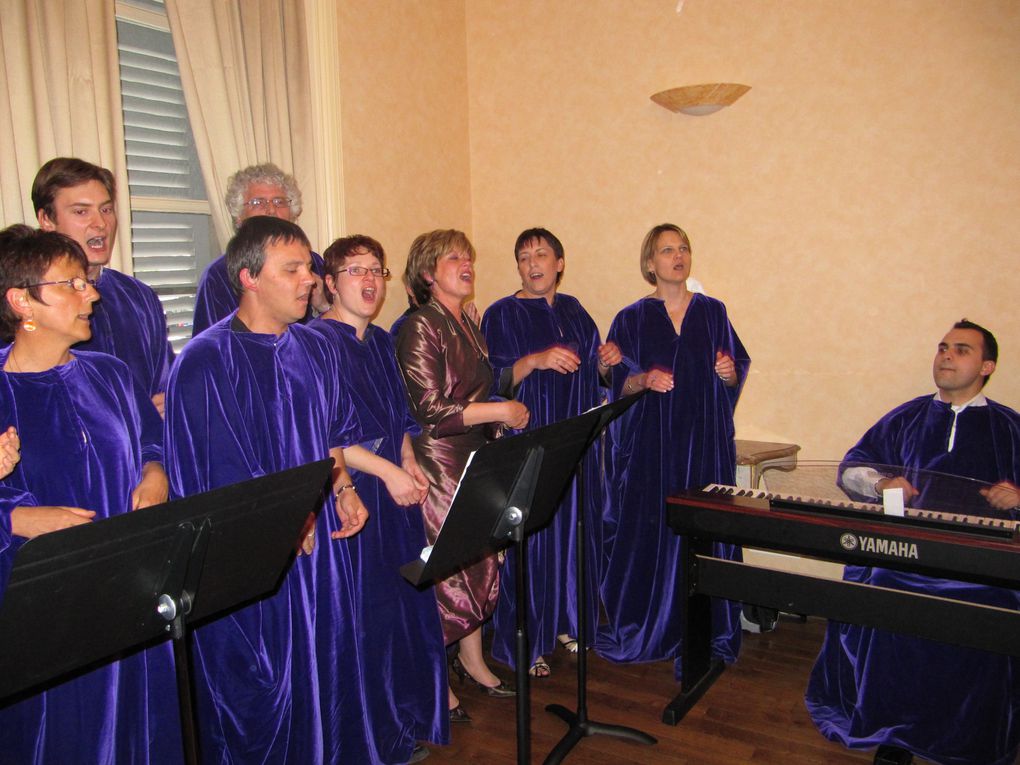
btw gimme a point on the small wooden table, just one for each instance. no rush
(755, 457)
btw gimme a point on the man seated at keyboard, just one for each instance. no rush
(906, 695)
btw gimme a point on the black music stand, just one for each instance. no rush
(511, 488)
(579, 726)
(141, 576)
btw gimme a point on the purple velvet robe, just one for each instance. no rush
(128, 322)
(401, 636)
(664, 443)
(216, 298)
(446, 368)
(86, 431)
(950, 705)
(514, 328)
(279, 680)
(399, 322)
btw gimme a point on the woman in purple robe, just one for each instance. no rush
(449, 380)
(552, 348)
(681, 346)
(91, 448)
(401, 637)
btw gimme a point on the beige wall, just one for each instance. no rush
(404, 106)
(848, 209)
(858, 200)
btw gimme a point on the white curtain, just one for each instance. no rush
(246, 72)
(60, 97)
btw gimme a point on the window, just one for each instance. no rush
(172, 237)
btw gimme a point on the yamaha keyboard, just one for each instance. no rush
(948, 545)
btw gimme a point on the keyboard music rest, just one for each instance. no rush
(706, 518)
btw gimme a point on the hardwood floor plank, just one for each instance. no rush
(753, 714)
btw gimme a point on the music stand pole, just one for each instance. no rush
(579, 724)
(162, 568)
(511, 488)
(516, 515)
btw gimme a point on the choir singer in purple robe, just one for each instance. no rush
(279, 680)
(556, 359)
(450, 387)
(252, 191)
(77, 198)
(402, 639)
(680, 346)
(91, 448)
(902, 694)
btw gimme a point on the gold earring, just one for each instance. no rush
(29, 325)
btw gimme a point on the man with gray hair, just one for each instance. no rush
(256, 190)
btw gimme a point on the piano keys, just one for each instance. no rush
(948, 545)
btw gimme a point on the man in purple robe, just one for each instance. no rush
(906, 695)
(76, 198)
(278, 681)
(255, 190)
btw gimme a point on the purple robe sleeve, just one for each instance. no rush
(215, 298)
(128, 322)
(208, 441)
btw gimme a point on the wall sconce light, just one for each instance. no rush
(698, 100)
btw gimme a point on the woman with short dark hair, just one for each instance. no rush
(401, 638)
(553, 350)
(91, 447)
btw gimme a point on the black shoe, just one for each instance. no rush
(420, 753)
(501, 691)
(458, 669)
(892, 755)
(758, 619)
(458, 715)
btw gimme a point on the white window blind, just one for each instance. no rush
(171, 232)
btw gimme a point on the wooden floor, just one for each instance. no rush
(753, 714)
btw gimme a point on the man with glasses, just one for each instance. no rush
(255, 190)
(76, 198)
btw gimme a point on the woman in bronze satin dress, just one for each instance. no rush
(449, 382)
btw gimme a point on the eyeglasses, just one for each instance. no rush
(78, 284)
(362, 270)
(259, 203)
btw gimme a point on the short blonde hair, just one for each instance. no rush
(425, 252)
(648, 247)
